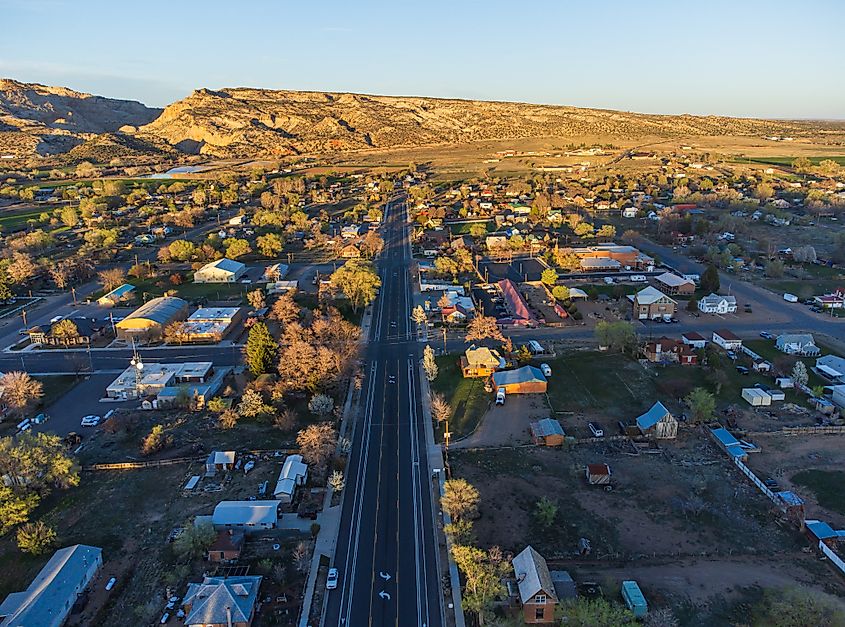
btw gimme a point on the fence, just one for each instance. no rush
(828, 430)
(153, 463)
(756, 481)
(832, 556)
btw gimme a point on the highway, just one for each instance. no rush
(387, 548)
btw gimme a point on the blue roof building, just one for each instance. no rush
(659, 422)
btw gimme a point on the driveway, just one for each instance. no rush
(508, 424)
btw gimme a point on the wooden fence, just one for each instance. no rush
(155, 463)
(832, 556)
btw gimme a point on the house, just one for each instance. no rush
(727, 340)
(717, 304)
(515, 304)
(246, 515)
(51, 595)
(831, 301)
(831, 367)
(456, 307)
(666, 351)
(276, 272)
(598, 474)
(525, 380)
(219, 460)
(147, 322)
(673, 284)
(650, 303)
(658, 422)
(536, 589)
(629, 212)
(548, 432)
(166, 382)
(480, 361)
(227, 546)
(797, 344)
(693, 339)
(220, 271)
(350, 251)
(87, 330)
(117, 295)
(294, 474)
(221, 601)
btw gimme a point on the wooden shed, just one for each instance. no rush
(658, 422)
(548, 432)
(598, 474)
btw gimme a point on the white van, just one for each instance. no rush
(500, 396)
(790, 298)
(637, 278)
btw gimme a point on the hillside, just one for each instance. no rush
(48, 120)
(248, 122)
(242, 122)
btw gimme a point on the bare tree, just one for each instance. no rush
(440, 408)
(20, 390)
(483, 327)
(317, 443)
(112, 278)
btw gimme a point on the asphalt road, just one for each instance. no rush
(386, 549)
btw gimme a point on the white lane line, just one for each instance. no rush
(418, 491)
(355, 522)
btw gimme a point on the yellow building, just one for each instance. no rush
(146, 324)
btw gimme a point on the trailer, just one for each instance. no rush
(756, 397)
(634, 599)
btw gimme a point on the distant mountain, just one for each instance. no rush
(40, 119)
(246, 122)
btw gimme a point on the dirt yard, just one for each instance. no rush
(508, 424)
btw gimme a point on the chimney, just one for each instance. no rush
(228, 616)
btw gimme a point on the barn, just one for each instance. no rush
(525, 380)
(548, 432)
(658, 422)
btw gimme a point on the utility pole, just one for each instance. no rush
(444, 340)
(446, 437)
(73, 291)
(23, 315)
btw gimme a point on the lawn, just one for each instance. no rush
(802, 289)
(11, 221)
(826, 486)
(467, 397)
(193, 291)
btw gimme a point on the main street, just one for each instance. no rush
(387, 551)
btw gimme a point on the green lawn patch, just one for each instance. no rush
(192, 291)
(467, 397)
(826, 486)
(16, 220)
(803, 289)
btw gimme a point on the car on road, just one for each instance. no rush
(90, 421)
(393, 324)
(596, 429)
(766, 335)
(56, 319)
(637, 278)
(331, 579)
(546, 369)
(500, 396)
(609, 280)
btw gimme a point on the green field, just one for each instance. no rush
(787, 161)
(467, 397)
(192, 291)
(15, 220)
(826, 486)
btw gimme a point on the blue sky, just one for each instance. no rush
(745, 58)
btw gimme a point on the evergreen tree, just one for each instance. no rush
(261, 349)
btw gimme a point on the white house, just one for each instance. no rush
(797, 344)
(629, 212)
(832, 367)
(219, 460)
(838, 395)
(717, 304)
(220, 271)
(726, 340)
(294, 474)
(696, 340)
(246, 515)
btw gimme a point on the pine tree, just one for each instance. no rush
(261, 349)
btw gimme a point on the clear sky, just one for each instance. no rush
(742, 57)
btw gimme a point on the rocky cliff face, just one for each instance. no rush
(247, 122)
(42, 119)
(254, 122)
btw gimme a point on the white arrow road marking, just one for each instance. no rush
(385, 576)
(384, 595)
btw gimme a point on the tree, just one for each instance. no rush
(796, 607)
(560, 292)
(584, 229)
(236, 247)
(429, 363)
(440, 408)
(181, 250)
(256, 299)
(372, 244)
(317, 443)
(252, 405)
(483, 327)
(802, 165)
(357, 279)
(216, 405)
(606, 232)
(545, 511)
(285, 420)
(15, 507)
(261, 349)
(483, 573)
(285, 309)
(774, 269)
(598, 612)
(175, 332)
(5, 291)
(69, 216)
(478, 229)
(269, 245)
(549, 276)
(228, 418)
(36, 462)
(65, 329)
(418, 315)
(156, 440)
(21, 269)
(446, 266)
(799, 374)
(460, 532)
(663, 617)
(619, 335)
(194, 540)
(20, 390)
(710, 280)
(692, 304)
(35, 538)
(321, 404)
(112, 278)
(701, 404)
(460, 499)
(336, 481)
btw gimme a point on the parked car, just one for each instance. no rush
(111, 583)
(766, 335)
(546, 369)
(331, 579)
(90, 421)
(596, 429)
(742, 370)
(500, 396)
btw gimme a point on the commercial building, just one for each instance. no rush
(517, 308)
(220, 271)
(211, 324)
(627, 257)
(164, 383)
(48, 600)
(146, 324)
(673, 284)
